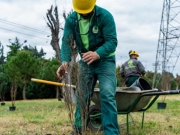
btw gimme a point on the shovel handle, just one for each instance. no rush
(52, 83)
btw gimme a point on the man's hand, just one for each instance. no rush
(90, 57)
(62, 70)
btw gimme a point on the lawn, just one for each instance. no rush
(50, 117)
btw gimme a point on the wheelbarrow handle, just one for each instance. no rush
(169, 92)
(52, 83)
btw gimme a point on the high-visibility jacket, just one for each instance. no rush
(132, 67)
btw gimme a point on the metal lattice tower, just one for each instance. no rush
(168, 49)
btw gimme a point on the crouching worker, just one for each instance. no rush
(132, 69)
(93, 30)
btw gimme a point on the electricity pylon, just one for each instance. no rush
(168, 49)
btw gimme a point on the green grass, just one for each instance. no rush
(41, 117)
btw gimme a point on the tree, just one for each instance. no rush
(53, 24)
(3, 85)
(34, 51)
(166, 82)
(48, 72)
(20, 69)
(2, 58)
(3, 77)
(27, 66)
(177, 81)
(14, 47)
(13, 74)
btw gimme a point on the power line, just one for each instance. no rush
(22, 33)
(23, 26)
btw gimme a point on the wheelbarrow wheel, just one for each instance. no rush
(94, 122)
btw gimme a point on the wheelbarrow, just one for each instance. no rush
(129, 99)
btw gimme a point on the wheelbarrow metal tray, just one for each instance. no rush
(126, 98)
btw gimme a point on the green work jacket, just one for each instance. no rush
(102, 35)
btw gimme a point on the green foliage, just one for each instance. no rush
(120, 80)
(158, 81)
(40, 91)
(4, 87)
(173, 84)
(27, 65)
(26, 62)
(34, 51)
(13, 73)
(49, 69)
(21, 67)
(11, 68)
(14, 47)
(2, 58)
(3, 77)
(47, 72)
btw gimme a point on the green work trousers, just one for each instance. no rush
(131, 80)
(105, 73)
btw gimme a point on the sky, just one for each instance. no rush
(137, 25)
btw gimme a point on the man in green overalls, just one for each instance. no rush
(94, 32)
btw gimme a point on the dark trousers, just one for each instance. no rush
(131, 80)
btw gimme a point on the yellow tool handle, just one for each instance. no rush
(51, 82)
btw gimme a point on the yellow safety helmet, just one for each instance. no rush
(83, 6)
(133, 53)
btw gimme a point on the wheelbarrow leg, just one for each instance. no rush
(127, 123)
(142, 120)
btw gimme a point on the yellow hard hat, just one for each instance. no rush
(134, 53)
(83, 6)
